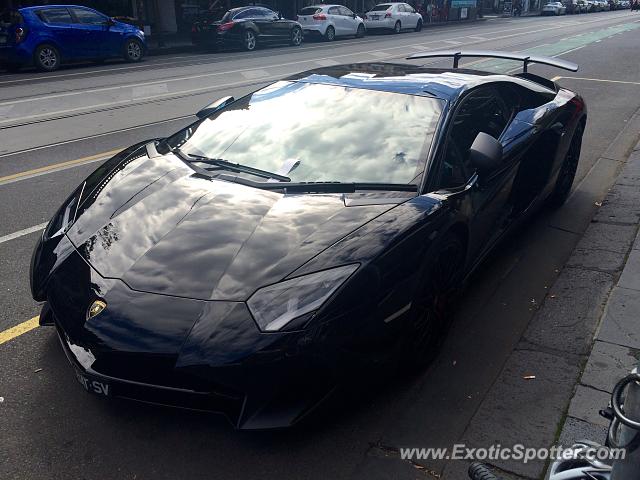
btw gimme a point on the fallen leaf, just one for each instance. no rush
(598, 204)
(37, 370)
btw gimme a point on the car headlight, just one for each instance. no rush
(273, 307)
(65, 216)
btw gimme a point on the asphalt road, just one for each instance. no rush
(49, 428)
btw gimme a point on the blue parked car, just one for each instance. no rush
(49, 35)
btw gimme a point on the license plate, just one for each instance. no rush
(93, 386)
(375, 17)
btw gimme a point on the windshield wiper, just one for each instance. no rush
(234, 167)
(323, 187)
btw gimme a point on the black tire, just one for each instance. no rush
(296, 37)
(567, 173)
(249, 40)
(397, 28)
(361, 31)
(46, 58)
(432, 305)
(330, 34)
(133, 50)
(419, 26)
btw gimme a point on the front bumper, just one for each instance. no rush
(181, 352)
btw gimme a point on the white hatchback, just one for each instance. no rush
(393, 16)
(330, 21)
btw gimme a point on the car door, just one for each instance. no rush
(59, 28)
(350, 23)
(411, 16)
(334, 16)
(274, 28)
(93, 29)
(485, 197)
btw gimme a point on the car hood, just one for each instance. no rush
(159, 227)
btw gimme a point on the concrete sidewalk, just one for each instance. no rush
(558, 378)
(617, 346)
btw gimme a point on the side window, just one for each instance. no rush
(55, 15)
(481, 111)
(346, 12)
(408, 8)
(334, 11)
(265, 12)
(400, 8)
(88, 17)
(242, 15)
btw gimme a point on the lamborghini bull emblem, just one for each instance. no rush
(96, 308)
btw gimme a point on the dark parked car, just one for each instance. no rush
(297, 236)
(245, 27)
(47, 36)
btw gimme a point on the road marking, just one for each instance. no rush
(56, 167)
(603, 80)
(97, 135)
(253, 74)
(18, 330)
(22, 233)
(452, 42)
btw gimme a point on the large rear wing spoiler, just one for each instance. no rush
(526, 59)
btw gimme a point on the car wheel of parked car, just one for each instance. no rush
(249, 40)
(431, 307)
(133, 50)
(330, 34)
(567, 171)
(47, 58)
(296, 36)
(397, 28)
(361, 31)
(419, 26)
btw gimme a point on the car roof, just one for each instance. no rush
(446, 84)
(323, 5)
(40, 7)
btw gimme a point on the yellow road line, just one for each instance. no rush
(18, 330)
(56, 166)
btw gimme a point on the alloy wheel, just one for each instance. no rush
(134, 50)
(432, 307)
(48, 58)
(296, 37)
(249, 40)
(330, 34)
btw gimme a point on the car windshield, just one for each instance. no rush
(380, 8)
(320, 133)
(310, 11)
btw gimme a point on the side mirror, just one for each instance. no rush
(353, 15)
(214, 107)
(485, 153)
(109, 22)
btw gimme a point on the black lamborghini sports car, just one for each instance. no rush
(269, 251)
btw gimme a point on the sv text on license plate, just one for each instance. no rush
(93, 386)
